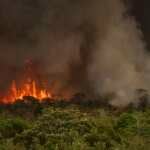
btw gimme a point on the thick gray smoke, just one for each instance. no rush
(120, 61)
(82, 46)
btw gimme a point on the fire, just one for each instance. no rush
(28, 88)
(29, 82)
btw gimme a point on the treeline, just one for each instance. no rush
(31, 107)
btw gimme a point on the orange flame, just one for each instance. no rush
(28, 88)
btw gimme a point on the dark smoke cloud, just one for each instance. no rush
(82, 45)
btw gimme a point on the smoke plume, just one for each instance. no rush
(85, 46)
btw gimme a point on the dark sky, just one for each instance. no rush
(8, 26)
(141, 10)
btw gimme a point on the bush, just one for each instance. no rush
(73, 128)
(11, 127)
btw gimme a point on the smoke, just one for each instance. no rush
(119, 63)
(86, 46)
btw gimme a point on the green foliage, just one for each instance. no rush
(73, 128)
(127, 125)
(9, 127)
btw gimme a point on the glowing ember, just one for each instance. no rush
(28, 88)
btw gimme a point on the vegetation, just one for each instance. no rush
(29, 125)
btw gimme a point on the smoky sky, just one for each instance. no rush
(86, 45)
(19, 18)
(140, 9)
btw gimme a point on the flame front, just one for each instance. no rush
(28, 88)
